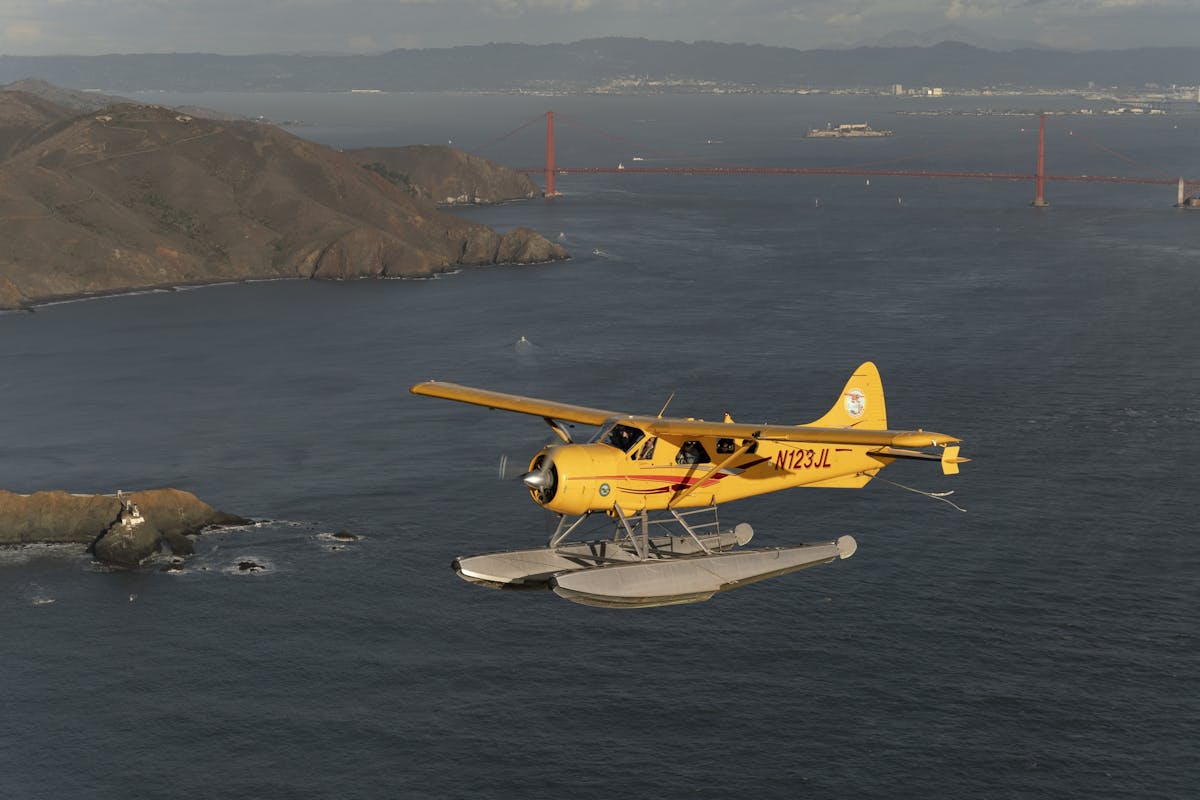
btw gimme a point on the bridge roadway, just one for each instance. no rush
(1000, 176)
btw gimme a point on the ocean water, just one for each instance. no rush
(1041, 644)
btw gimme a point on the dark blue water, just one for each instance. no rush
(1043, 644)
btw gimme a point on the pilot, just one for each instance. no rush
(621, 437)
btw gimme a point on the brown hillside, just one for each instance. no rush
(21, 114)
(445, 175)
(141, 196)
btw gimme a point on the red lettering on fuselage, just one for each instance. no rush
(803, 458)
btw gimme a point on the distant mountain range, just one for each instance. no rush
(950, 33)
(596, 63)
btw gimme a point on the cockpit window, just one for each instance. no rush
(647, 451)
(725, 447)
(692, 452)
(622, 437)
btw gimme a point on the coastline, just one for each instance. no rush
(59, 300)
(83, 297)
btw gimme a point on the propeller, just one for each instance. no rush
(509, 469)
(514, 460)
(542, 477)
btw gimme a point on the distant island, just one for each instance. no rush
(121, 529)
(138, 196)
(847, 130)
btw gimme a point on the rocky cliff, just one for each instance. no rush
(138, 196)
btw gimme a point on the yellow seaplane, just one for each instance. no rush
(661, 480)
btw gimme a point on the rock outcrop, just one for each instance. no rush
(136, 197)
(107, 522)
(129, 540)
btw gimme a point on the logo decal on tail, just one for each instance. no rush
(856, 403)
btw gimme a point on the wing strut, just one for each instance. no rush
(741, 451)
(558, 429)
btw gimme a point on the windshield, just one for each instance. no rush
(622, 437)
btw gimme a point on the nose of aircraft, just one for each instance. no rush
(537, 479)
(542, 477)
(574, 478)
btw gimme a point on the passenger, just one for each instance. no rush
(689, 453)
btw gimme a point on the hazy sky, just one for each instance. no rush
(32, 27)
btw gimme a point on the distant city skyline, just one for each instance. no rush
(233, 27)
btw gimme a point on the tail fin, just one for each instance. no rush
(860, 404)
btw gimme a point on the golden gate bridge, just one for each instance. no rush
(550, 170)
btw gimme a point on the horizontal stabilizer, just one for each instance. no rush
(896, 452)
(949, 457)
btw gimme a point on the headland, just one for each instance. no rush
(135, 197)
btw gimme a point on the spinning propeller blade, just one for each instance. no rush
(510, 468)
(514, 459)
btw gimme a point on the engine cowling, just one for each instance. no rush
(575, 478)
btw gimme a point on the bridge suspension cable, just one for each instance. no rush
(502, 137)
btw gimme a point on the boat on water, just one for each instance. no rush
(847, 130)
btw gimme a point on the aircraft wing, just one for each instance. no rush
(546, 409)
(793, 433)
(673, 426)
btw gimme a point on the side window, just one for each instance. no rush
(647, 451)
(725, 447)
(692, 452)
